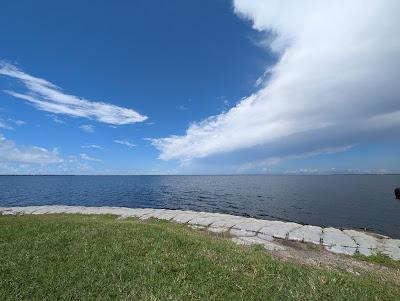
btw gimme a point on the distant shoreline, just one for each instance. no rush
(200, 175)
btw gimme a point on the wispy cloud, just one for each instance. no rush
(48, 97)
(125, 142)
(182, 108)
(336, 80)
(5, 125)
(56, 119)
(88, 158)
(19, 122)
(88, 128)
(92, 146)
(10, 152)
(256, 166)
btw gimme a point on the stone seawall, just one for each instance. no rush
(244, 230)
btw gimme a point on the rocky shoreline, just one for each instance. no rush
(244, 230)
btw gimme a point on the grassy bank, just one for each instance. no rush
(99, 257)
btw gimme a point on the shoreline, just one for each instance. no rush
(244, 230)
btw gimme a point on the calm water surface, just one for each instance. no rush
(353, 201)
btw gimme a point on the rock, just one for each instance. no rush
(312, 234)
(397, 193)
(341, 250)
(203, 220)
(335, 237)
(227, 222)
(184, 218)
(217, 229)
(367, 244)
(251, 224)
(279, 229)
(247, 241)
(236, 232)
(391, 248)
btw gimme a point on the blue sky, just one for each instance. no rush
(171, 87)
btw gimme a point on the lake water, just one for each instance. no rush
(350, 201)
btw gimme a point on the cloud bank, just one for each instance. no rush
(46, 96)
(10, 152)
(336, 80)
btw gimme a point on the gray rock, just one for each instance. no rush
(217, 229)
(236, 232)
(227, 222)
(341, 249)
(391, 248)
(306, 233)
(252, 224)
(279, 229)
(268, 245)
(367, 244)
(335, 237)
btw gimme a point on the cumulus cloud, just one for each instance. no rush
(46, 96)
(125, 142)
(336, 80)
(10, 152)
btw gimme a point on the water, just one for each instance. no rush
(350, 201)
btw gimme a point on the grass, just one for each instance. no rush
(73, 257)
(380, 259)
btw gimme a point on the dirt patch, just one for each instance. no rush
(316, 255)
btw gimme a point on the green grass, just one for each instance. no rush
(73, 257)
(380, 259)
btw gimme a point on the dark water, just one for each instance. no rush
(354, 201)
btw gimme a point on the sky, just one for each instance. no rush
(199, 87)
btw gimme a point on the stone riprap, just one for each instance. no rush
(244, 230)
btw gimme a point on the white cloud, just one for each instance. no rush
(19, 122)
(56, 119)
(88, 158)
(5, 125)
(88, 128)
(182, 108)
(10, 152)
(92, 146)
(262, 164)
(125, 142)
(48, 97)
(336, 80)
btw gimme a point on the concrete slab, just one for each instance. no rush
(335, 237)
(391, 248)
(227, 222)
(307, 233)
(252, 224)
(184, 218)
(341, 249)
(217, 229)
(265, 237)
(279, 229)
(236, 232)
(244, 229)
(203, 220)
(167, 215)
(367, 244)
(247, 241)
